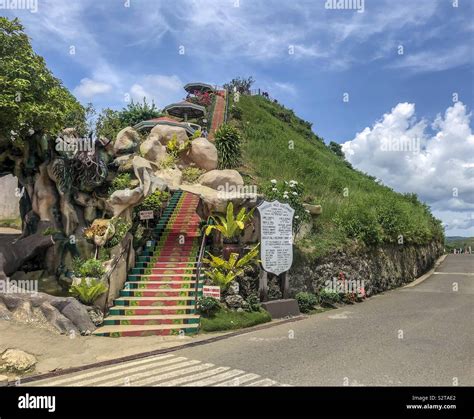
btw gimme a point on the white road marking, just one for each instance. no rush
(161, 370)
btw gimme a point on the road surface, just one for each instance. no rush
(414, 336)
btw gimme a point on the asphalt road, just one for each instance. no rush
(417, 336)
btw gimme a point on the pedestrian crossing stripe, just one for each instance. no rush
(158, 371)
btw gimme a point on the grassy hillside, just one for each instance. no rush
(356, 209)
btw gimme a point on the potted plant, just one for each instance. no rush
(230, 227)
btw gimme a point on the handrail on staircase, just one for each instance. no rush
(198, 266)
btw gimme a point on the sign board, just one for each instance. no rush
(276, 231)
(146, 215)
(211, 291)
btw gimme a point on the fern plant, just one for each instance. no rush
(230, 226)
(221, 272)
(228, 143)
(87, 290)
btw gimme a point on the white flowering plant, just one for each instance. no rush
(290, 192)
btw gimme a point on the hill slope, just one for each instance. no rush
(356, 209)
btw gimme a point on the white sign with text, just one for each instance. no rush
(276, 230)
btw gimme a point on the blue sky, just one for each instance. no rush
(133, 51)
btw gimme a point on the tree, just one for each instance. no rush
(32, 100)
(136, 112)
(241, 85)
(336, 148)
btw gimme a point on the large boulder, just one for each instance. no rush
(62, 314)
(127, 141)
(172, 177)
(14, 360)
(223, 180)
(164, 133)
(153, 150)
(213, 201)
(202, 154)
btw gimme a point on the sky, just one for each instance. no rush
(393, 81)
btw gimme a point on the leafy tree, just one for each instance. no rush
(336, 148)
(241, 84)
(136, 112)
(108, 124)
(32, 100)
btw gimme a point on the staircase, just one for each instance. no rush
(218, 114)
(159, 295)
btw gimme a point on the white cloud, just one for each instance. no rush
(159, 88)
(88, 88)
(439, 167)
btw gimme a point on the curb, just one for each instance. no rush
(425, 276)
(133, 357)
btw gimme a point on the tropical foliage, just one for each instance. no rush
(90, 268)
(228, 143)
(88, 290)
(221, 272)
(230, 226)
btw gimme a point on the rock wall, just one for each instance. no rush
(9, 207)
(381, 268)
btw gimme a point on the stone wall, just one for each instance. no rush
(380, 269)
(9, 205)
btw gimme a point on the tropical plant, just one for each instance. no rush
(191, 174)
(208, 306)
(168, 162)
(196, 134)
(228, 143)
(306, 301)
(221, 272)
(230, 226)
(136, 112)
(89, 268)
(88, 290)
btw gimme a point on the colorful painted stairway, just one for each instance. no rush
(159, 295)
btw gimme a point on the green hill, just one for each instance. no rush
(357, 210)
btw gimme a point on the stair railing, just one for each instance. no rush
(198, 267)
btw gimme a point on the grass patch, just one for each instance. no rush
(11, 223)
(357, 210)
(231, 320)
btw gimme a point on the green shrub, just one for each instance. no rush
(120, 182)
(228, 143)
(208, 306)
(168, 162)
(306, 301)
(90, 268)
(121, 228)
(329, 297)
(88, 290)
(191, 174)
(154, 202)
(236, 112)
(196, 134)
(253, 303)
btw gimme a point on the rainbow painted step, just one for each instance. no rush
(159, 295)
